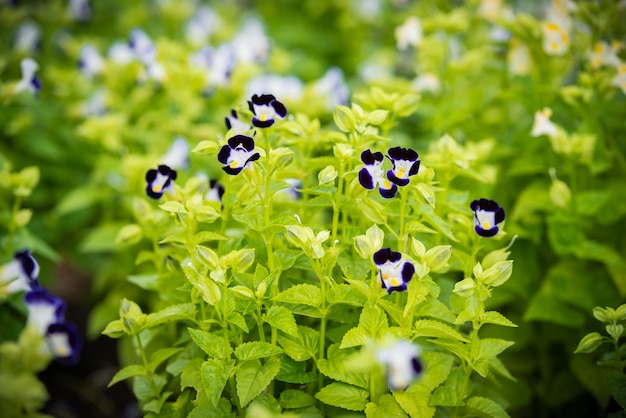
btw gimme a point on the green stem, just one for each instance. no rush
(12, 225)
(259, 323)
(337, 203)
(403, 197)
(142, 353)
(225, 213)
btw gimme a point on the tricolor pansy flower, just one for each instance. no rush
(30, 81)
(487, 215)
(20, 274)
(237, 125)
(394, 273)
(44, 309)
(405, 163)
(402, 364)
(265, 109)
(64, 342)
(372, 174)
(215, 192)
(159, 181)
(237, 154)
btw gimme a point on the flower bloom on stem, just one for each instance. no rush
(215, 192)
(409, 33)
(372, 174)
(265, 109)
(605, 54)
(160, 181)
(233, 122)
(237, 154)
(177, 156)
(405, 163)
(620, 78)
(30, 81)
(401, 363)
(487, 215)
(542, 124)
(555, 38)
(90, 61)
(20, 274)
(394, 273)
(44, 309)
(64, 342)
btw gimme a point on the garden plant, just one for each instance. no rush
(378, 208)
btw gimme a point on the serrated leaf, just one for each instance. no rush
(455, 347)
(253, 377)
(292, 371)
(281, 318)
(345, 294)
(126, 373)
(494, 317)
(223, 409)
(387, 407)
(617, 385)
(238, 320)
(488, 349)
(209, 290)
(450, 393)
(215, 374)
(171, 313)
(173, 207)
(483, 407)
(294, 399)
(354, 338)
(373, 319)
(212, 344)
(161, 355)
(206, 236)
(343, 395)
(301, 294)
(255, 350)
(333, 367)
(432, 328)
(190, 376)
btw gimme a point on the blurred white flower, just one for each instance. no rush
(120, 53)
(285, 87)
(427, 82)
(27, 37)
(402, 364)
(250, 43)
(409, 33)
(203, 23)
(177, 156)
(542, 124)
(605, 54)
(518, 58)
(29, 82)
(333, 85)
(90, 61)
(620, 78)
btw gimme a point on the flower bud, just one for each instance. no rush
(377, 117)
(22, 217)
(207, 214)
(498, 274)
(344, 118)
(418, 248)
(240, 260)
(129, 235)
(243, 292)
(465, 287)
(589, 343)
(615, 330)
(560, 193)
(207, 256)
(437, 258)
(280, 157)
(621, 312)
(261, 289)
(601, 314)
(327, 175)
(343, 151)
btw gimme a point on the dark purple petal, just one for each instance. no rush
(407, 272)
(366, 180)
(41, 296)
(232, 171)
(416, 365)
(385, 254)
(74, 339)
(262, 124)
(499, 215)
(152, 194)
(28, 264)
(35, 82)
(414, 168)
(368, 157)
(486, 232)
(388, 193)
(484, 204)
(279, 108)
(399, 288)
(223, 155)
(392, 178)
(213, 184)
(245, 141)
(264, 99)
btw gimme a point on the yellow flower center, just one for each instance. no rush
(157, 188)
(400, 174)
(486, 225)
(394, 282)
(234, 164)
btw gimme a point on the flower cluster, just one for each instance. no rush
(405, 163)
(45, 311)
(394, 273)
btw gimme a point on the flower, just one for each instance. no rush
(287, 87)
(90, 62)
(160, 181)
(218, 62)
(555, 38)
(237, 154)
(44, 309)
(405, 162)
(427, 82)
(543, 125)
(215, 192)
(265, 108)
(30, 81)
(120, 53)
(487, 215)
(201, 25)
(64, 342)
(237, 125)
(20, 274)
(518, 58)
(605, 54)
(80, 10)
(409, 33)
(333, 86)
(142, 46)
(373, 174)
(620, 78)
(27, 37)
(177, 156)
(251, 44)
(394, 274)
(401, 362)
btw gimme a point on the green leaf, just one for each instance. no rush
(435, 221)
(209, 290)
(434, 308)
(171, 313)
(294, 399)
(333, 367)
(387, 407)
(455, 347)
(205, 236)
(101, 239)
(432, 328)
(546, 307)
(215, 374)
(354, 337)
(161, 355)
(146, 281)
(238, 320)
(126, 373)
(281, 318)
(343, 396)
(253, 377)
(115, 329)
(221, 409)
(373, 319)
(301, 294)
(190, 376)
(415, 401)
(344, 293)
(486, 408)
(494, 317)
(292, 371)
(173, 207)
(488, 348)
(617, 386)
(212, 344)
(450, 393)
(255, 350)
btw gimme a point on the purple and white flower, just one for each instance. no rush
(215, 192)
(203, 23)
(44, 309)
(333, 85)
(373, 174)
(218, 62)
(405, 163)
(142, 46)
(487, 215)
(80, 10)
(402, 364)
(160, 181)
(250, 43)
(21, 273)
(90, 61)
(394, 272)
(27, 37)
(177, 156)
(237, 154)
(64, 342)
(30, 81)
(265, 109)
(237, 125)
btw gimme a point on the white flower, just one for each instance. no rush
(620, 78)
(80, 10)
(30, 81)
(518, 58)
(605, 54)
(204, 22)
(409, 33)
(285, 87)
(490, 9)
(542, 124)
(90, 62)
(27, 37)
(120, 53)
(333, 85)
(427, 82)
(177, 156)
(401, 362)
(555, 38)
(251, 44)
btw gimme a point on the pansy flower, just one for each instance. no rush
(90, 62)
(394, 273)
(237, 154)
(372, 174)
(402, 364)
(44, 309)
(487, 215)
(215, 192)
(237, 125)
(177, 156)
(405, 163)
(30, 81)
(20, 274)
(159, 181)
(64, 342)
(265, 109)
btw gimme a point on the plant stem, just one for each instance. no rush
(402, 237)
(337, 203)
(16, 208)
